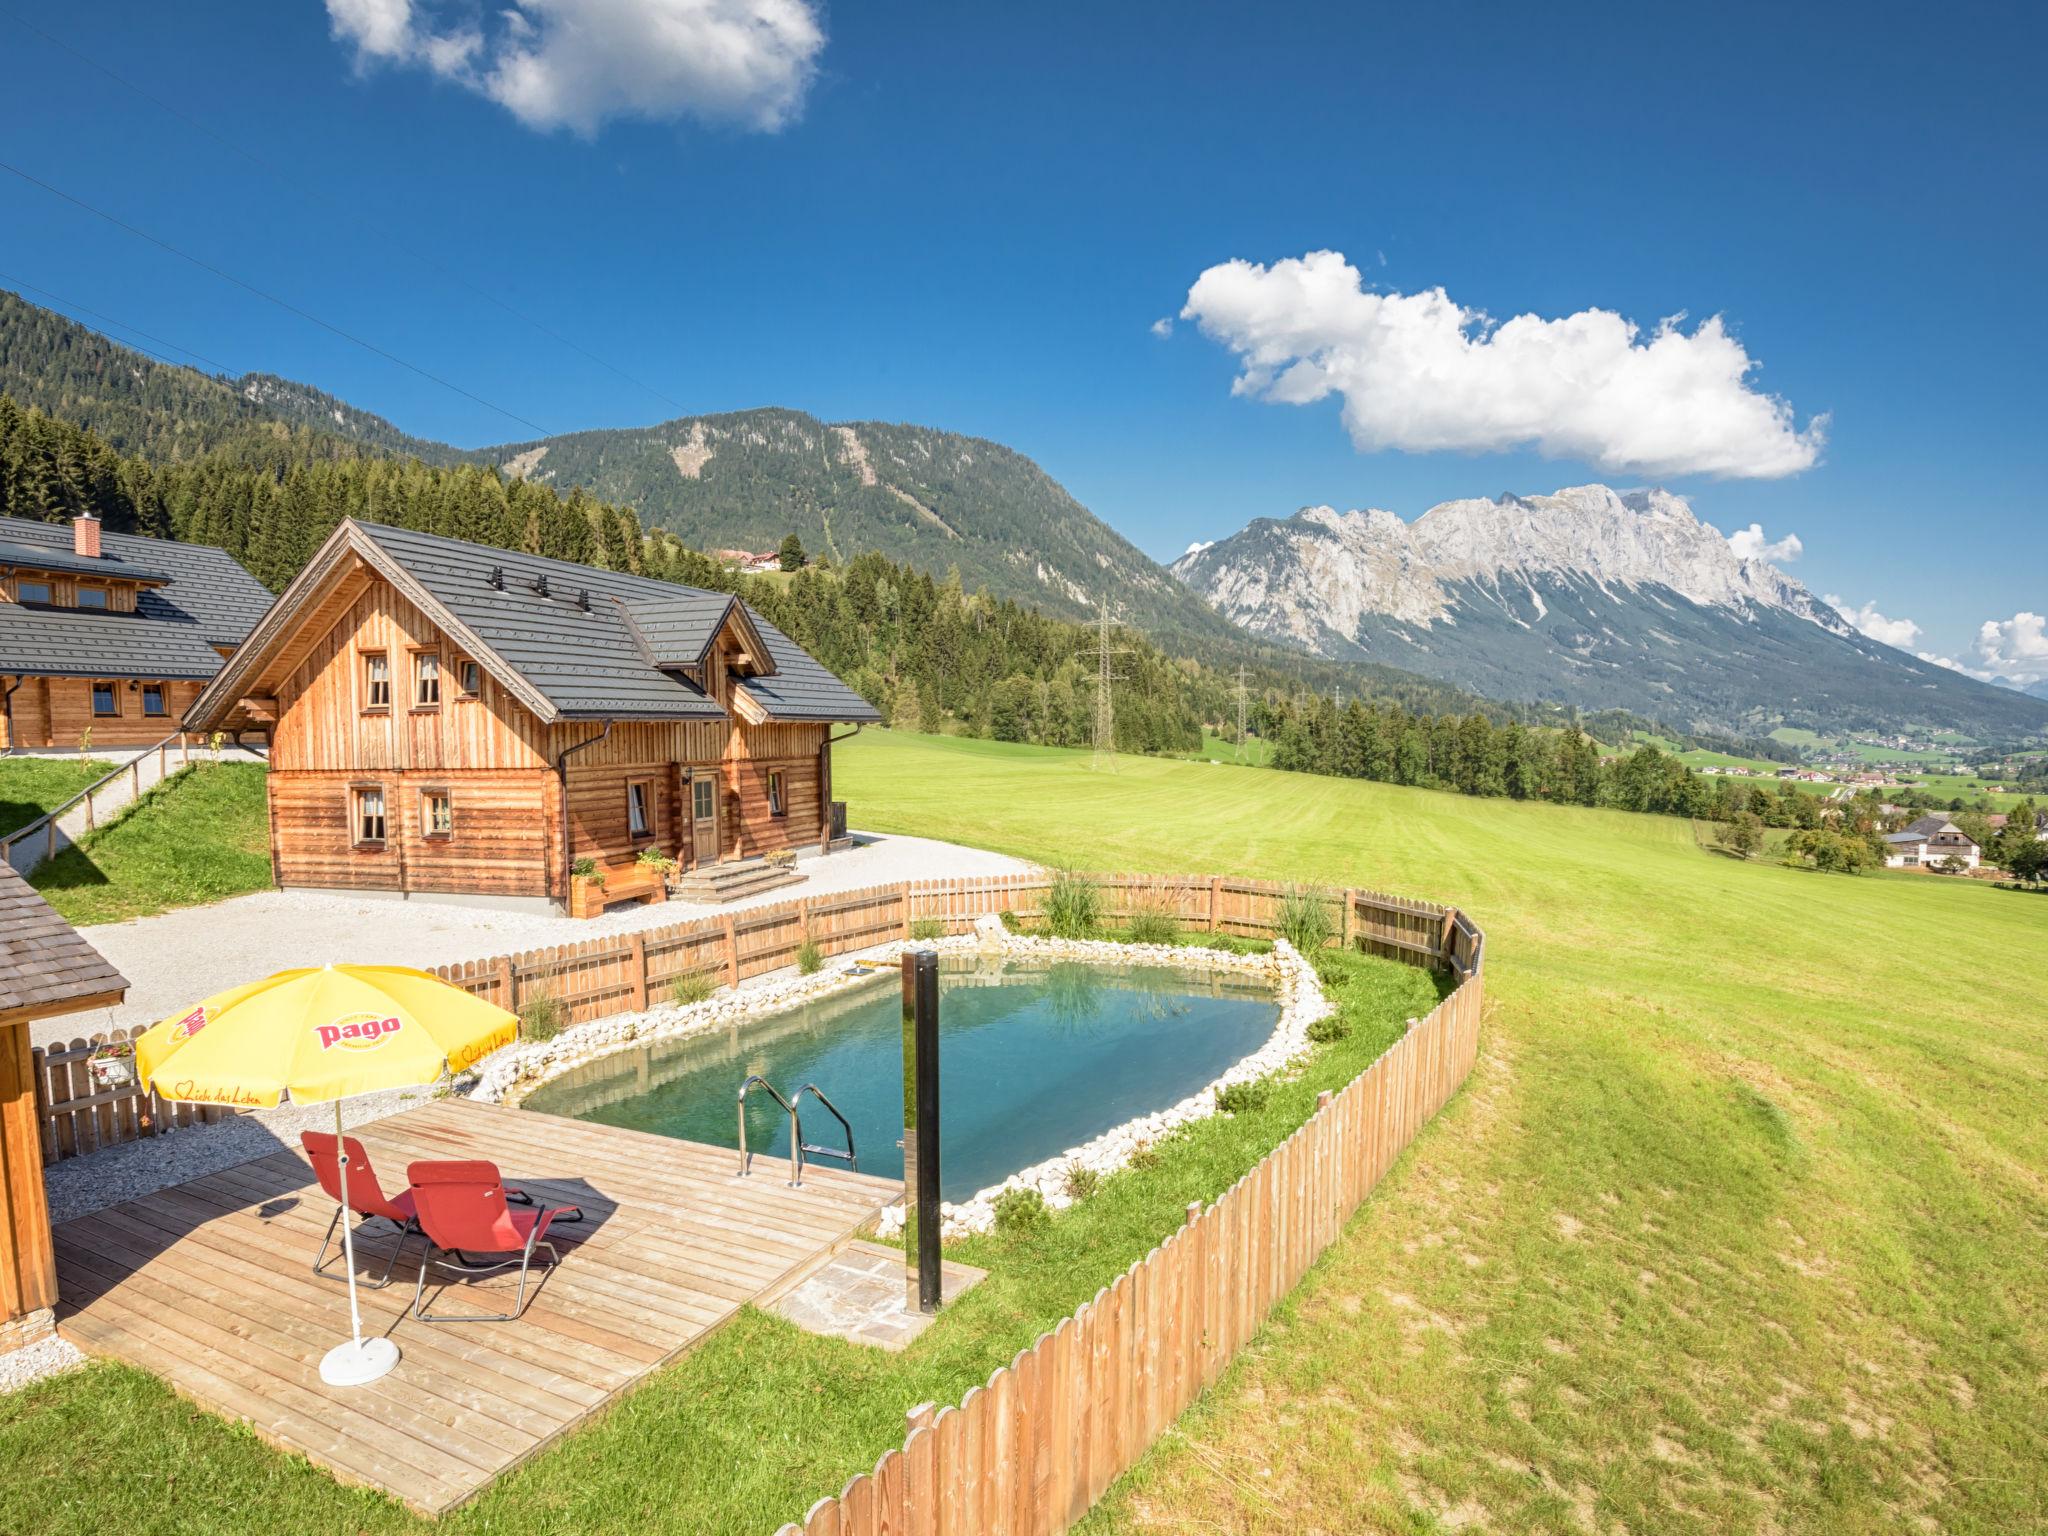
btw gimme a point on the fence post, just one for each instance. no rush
(1350, 901)
(732, 954)
(1215, 902)
(637, 971)
(135, 778)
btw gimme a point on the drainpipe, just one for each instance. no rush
(7, 709)
(562, 778)
(825, 781)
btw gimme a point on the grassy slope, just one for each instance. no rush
(199, 837)
(1738, 1226)
(33, 786)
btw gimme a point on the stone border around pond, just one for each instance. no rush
(513, 1074)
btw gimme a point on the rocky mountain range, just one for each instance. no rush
(1596, 597)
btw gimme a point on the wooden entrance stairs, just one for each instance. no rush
(716, 884)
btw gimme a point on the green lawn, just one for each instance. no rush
(1737, 1227)
(31, 787)
(199, 837)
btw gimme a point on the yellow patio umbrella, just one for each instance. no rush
(319, 1034)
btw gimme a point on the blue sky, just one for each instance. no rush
(970, 217)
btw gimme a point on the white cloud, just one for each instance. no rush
(1953, 665)
(1162, 327)
(1421, 373)
(1749, 544)
(2016, 647)
(1898, 632)
(577, 63)
(1197, 547)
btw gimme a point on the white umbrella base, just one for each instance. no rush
(357, 1361)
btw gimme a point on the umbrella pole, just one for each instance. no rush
(348, 1241)
(356, 1362)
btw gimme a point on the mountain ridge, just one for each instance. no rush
(1587, 596)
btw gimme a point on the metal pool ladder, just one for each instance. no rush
(799, 1149)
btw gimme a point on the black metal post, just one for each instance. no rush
(921, 1116)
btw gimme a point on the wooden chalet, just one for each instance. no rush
(111, 633)
(46, 969)
(447, 718)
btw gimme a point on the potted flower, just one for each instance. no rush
(112, 1064)
(661, 867)
(586, 888)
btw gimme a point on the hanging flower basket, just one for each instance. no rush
(112, 1066)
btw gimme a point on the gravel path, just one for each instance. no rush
(176, 958)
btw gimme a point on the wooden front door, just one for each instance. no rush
(704, 817)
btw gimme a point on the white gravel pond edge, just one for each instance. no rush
(512, 1074)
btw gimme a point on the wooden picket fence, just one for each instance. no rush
(624, 974)
(75, 1116)
(1029, 1453)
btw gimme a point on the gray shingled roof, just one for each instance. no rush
(207, 587)
(80, 642)
(44, 557)
(678, 626)
(800, 688)
(596, 662)
(44, 964)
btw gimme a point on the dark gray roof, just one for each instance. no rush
(1905, 837)
(55, 558)
(44, 964)
(82, 642)
(800, 688)
(679, 626)
(606, 660)
(1932, 822)
(207, 587)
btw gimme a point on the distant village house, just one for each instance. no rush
(1929, 843)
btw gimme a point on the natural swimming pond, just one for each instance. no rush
(1034, 1058)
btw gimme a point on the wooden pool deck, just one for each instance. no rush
(207, 1284)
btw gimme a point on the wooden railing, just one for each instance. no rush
(75, 1116)
(45, 826)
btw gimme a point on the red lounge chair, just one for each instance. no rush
(461, 1208)
(366, 1198)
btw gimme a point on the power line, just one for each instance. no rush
(283, 304)
(298, 185)
(122, 325)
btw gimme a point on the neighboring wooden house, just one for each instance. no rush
(111, 633)
(448, 718)
(46, 969)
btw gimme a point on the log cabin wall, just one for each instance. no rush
(57, 711)
(326, 719)
(482, 749)
(501, 841)
(796, 752)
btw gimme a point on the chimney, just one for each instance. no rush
(85, 536)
